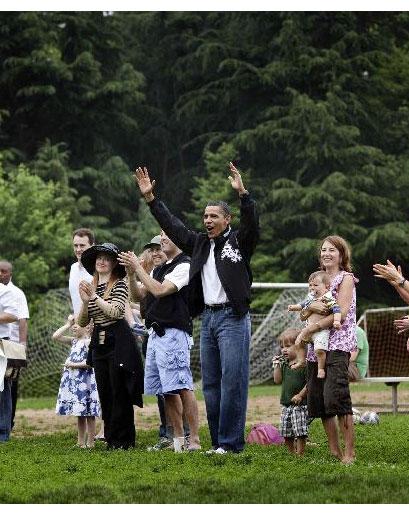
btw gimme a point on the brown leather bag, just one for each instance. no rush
(353, 372)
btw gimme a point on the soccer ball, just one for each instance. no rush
(356, 416)
(370, 418)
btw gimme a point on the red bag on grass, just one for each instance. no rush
(265, 434)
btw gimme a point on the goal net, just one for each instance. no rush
(388, 354)
(45, 356)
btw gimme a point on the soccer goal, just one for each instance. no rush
(266, 327)
(45, 357)
(388, 354)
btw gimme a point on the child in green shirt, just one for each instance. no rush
(294, 416)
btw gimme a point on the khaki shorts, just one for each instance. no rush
(321, 340)
(329, 396)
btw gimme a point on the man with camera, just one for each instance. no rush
(8, 314)
(167, 366)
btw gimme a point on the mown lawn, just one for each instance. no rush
(254, 392)
(49, 469)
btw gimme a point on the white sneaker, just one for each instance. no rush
(179, 444)
(219, 451)
(163, 444)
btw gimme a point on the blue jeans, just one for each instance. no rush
(5, 411)
(224, 354)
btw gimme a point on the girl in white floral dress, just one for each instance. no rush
(78, 395)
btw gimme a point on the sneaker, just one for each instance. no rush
(218, 451)
(193, 447)
(179, 444)
(163, 444)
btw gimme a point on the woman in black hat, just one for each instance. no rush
(113, 352)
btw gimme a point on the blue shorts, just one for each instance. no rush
(167, 365)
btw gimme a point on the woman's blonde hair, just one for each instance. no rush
(344, 251)
(147, 263)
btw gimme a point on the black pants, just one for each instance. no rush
(116, 404)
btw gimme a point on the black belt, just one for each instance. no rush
(220, 306)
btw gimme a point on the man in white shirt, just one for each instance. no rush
(8, 314)
(220, 280)
(82, 239)
(167, 365)
(17, 330)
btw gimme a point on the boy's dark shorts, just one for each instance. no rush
(329, 396)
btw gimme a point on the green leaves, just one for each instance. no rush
(36, 229)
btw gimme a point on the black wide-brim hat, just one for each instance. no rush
(89, 257)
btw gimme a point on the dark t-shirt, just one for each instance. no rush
(294, 380)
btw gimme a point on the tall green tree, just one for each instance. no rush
(36, 229)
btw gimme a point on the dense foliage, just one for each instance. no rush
(313, 107)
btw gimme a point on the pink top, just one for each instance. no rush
(343, 339)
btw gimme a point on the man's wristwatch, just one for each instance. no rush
(402, 282)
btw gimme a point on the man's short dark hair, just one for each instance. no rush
(223, 205)
(82, 232)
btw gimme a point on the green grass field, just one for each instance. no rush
(49, 469)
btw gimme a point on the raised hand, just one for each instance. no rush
(235, 179)
(389, 272)
(144, 182)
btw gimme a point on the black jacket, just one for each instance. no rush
(127, 356)
(233, 251)
(170, 311)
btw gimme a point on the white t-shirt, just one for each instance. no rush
(23, 312)
(179, 276)
(213, 291)
(8, 304)
(77, 274)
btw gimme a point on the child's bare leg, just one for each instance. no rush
(100, 434)
(289, 442)
(300, 356)
(82, 421)
(321, 357)
(90, 431)
(300, 445)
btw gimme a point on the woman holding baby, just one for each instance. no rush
(329, 398)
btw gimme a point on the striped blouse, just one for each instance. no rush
(117, 300)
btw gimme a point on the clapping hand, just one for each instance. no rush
(402, 325)
(389, 272)
(87, 291)
(130, 261)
